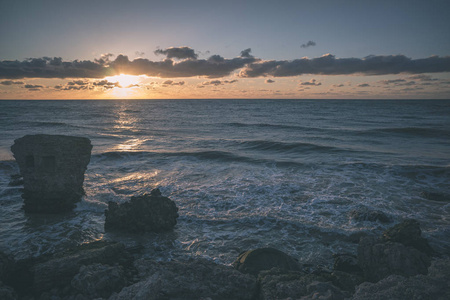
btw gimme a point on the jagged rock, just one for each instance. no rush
(346, 281)
(196, 279)
(365, 214)
(58, 271)
(98, 280)
(381, 259)
(433, 286)
(282, 284)
(146, 213)
(53, 169)
(254, 261)
(408, 233)
(346, 263)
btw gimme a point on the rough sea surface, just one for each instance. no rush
(289, 174)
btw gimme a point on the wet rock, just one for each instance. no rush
(53, 169)
(146, 213)
(408, 233)
(254, 261)
(196, 279)
(282, 284)
(58, 271)
(98, 280)
(16, 180)
(6, 292)
(381, 259)
(346, 263)
(365, 214)
(432, 286)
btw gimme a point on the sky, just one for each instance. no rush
(172, 49)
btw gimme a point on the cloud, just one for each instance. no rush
(10, 82)
(363, 85)
(312, 82)
(33, 86)
(106, 84)
(330, 65)
(219, 82)
(177, 52)
(246, 53)
(308, 44)
(270, 81)
(338, 85)
(392, 81)
(139, 53)
(171, 82)
(217, 66)
(78, 82)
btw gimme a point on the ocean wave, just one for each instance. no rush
(287, 147)
(411, 131)
(274, 126)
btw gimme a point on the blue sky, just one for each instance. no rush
(274, 30)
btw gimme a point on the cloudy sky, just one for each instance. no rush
(353, 49)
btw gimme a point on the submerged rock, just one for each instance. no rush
(146, 213)
(53, 169)
(254, 261)
(195, 279)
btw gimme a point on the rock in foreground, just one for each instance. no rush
(146, 213)
(53, 169)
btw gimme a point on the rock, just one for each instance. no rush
(98, 280)
(16, 180)
(7, 293)
(146, 213)
(381, 259)
(6, 264)
(282, 284)
(433, 286)
(346, 263)
(254, 261)
(196, 279)
(364, 214)
(346, 281)
(58, 271)
(53, 169)
(408, 233)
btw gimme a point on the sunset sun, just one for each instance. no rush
(125, 81)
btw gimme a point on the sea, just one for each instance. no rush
(295, 175)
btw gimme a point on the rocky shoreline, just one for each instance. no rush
(397, 265)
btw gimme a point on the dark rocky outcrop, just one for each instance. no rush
(400, 250)
(53, 169)
(433, 286)
(194, 279)
(146, 213)
(99, 280)
(254, 261)
(409, 234)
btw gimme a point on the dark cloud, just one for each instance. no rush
(392, 81)
(106, 84)
(78, 82)
(308, 44)
(10, 82)
(422, 77)
(270, 81)
(33, 86)
(217, 66)
(219, 82)
(330, 65)
(171, 82)
(339, 85)
(177, 52)
(312, 82)
(363, 85)
(246, 53)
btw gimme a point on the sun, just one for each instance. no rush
(125, 81)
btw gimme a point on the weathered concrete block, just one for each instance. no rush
(53, 169)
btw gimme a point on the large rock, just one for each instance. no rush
(98, 280)
(381, 259)
(434, 286)
(408, 233)
(254, 261)
(146, 213)
(196, 279)
(58, 271)
(53, 169)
